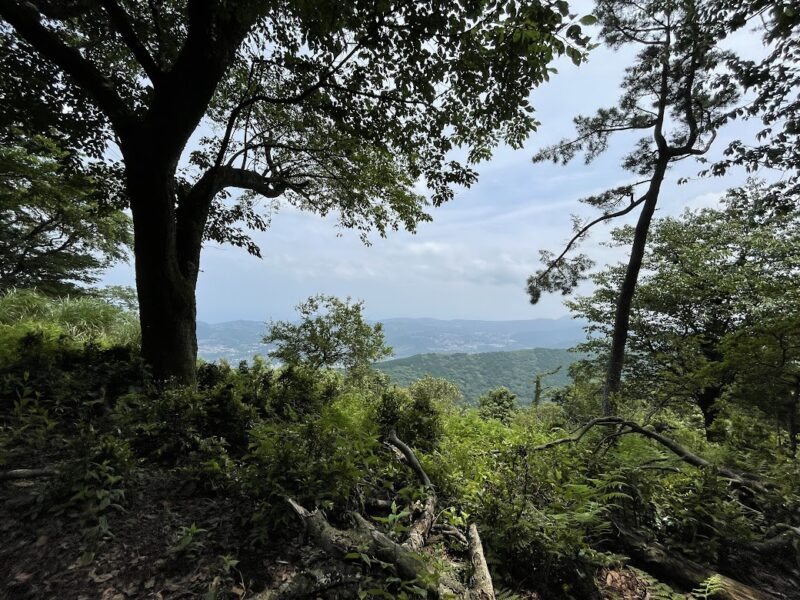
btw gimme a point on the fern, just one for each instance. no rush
(709, 588)
(506, 594)
(657, 590)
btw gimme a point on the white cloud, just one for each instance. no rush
(473, 259)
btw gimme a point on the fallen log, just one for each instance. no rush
(26, 473)
(481, 587)
(365, 539)
(672, 567)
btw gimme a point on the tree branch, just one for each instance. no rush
(121, 22)
(422, 526)
(26, 473)
(294, 99)
(410, 457)
(584, 230)
(27, 21)
(681, 452)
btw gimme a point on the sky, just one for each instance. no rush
(472, 260)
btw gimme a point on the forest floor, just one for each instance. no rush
(168, 543)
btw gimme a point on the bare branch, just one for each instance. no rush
(121, 22)
(682, 453)
(422, 526)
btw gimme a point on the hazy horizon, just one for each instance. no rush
(382, 319)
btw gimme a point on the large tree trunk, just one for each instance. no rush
(165, 283)
(622, 315)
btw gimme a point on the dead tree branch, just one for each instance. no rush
(481, 587)
(682, 453)
(422, 525)
(26, 473)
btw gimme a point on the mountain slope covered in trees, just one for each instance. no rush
(476, 374)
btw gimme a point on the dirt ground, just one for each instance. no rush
(149, 554)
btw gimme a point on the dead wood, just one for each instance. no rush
(481, 587)
(451, 532)
(366, 539)
(421, 527)
(785, 540)
(674, 568)
(26, 473)
(627, 427)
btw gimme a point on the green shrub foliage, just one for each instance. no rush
(548, 514)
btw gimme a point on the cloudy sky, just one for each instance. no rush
(472, 260)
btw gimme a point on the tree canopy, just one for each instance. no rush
(57, 231)
(337, 107)
(331, 333)
(673, 94)
(717, 295)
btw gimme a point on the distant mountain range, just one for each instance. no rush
(239, 340)
(476, 374)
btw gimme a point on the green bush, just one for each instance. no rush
(498, 404)
(298, 392)
(320, 461)
(539, 516)
(92, 484)
(415, 416)
(172, 424)
(80, 319)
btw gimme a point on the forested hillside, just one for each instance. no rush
(476, 374)
(666, 465)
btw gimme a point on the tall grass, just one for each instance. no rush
(79, 318)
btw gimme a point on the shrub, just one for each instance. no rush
(414, 415)
(319, 461)
(498, 404)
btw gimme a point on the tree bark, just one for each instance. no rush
(165, 284)
(481, 588)
(658, 560)
(152, 139)
(707, 402)
(419, 530)
(622, 315)
(367, 539)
